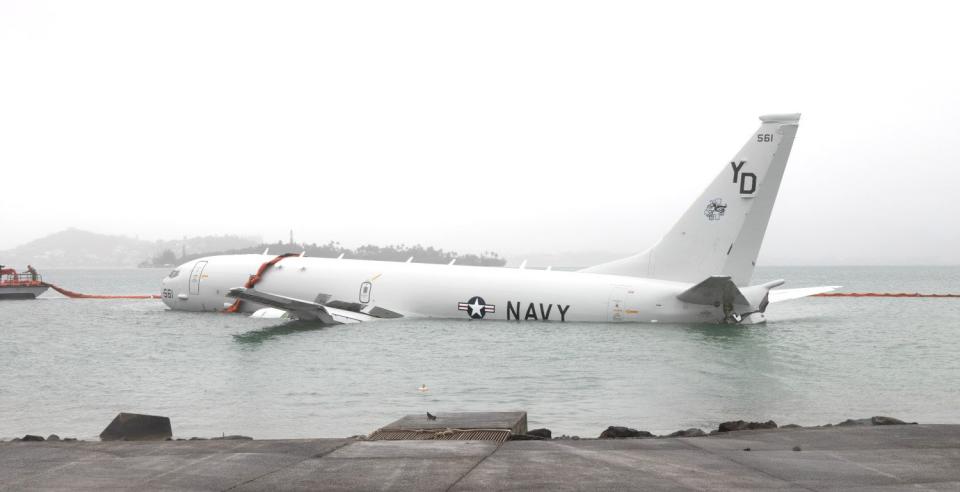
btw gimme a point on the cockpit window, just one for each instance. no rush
(174, 273)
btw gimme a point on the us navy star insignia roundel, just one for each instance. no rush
(476, 307)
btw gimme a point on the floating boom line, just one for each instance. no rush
(76, 295)
(884, 294)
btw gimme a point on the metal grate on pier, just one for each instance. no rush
(460, 426)
(495, 435)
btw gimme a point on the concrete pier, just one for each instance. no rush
(925, 457)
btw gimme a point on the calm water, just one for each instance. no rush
(68, 366)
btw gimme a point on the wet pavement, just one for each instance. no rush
(925, 457)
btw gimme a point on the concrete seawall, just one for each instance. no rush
(875, 458)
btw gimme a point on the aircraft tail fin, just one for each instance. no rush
(721, 232)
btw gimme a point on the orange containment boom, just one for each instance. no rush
(252, 281)
(882, 294)
(76, 295)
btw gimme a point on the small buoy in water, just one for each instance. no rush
(423, 388)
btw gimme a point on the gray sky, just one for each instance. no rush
(514, 126)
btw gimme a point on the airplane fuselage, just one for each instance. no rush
(438, 291)
(699, 271)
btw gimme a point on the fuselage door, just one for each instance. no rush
(195, 275)
(365, 289)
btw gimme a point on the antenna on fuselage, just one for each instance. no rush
(523, 265)
(452, 262)
(341, 256)
(410, 260)
(266, 251)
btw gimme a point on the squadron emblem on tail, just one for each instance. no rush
(715, 209)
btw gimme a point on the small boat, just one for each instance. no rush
(21, 285)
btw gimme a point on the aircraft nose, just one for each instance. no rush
(170, 286)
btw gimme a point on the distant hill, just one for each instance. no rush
(420, 254)
(74, 248)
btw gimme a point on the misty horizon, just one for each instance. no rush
(559, 258)
(569, 130)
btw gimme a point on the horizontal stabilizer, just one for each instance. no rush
(780, 295)
(714, 291)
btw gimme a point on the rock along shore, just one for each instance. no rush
(139, 429)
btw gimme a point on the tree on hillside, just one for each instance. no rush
(399, 252)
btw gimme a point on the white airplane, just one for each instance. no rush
(699, 272)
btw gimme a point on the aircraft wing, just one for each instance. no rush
(714, 291)
(780, 295)
(332, 312)
(298, 308)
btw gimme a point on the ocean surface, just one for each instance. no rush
(67, 366)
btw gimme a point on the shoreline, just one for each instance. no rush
(611, 432)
